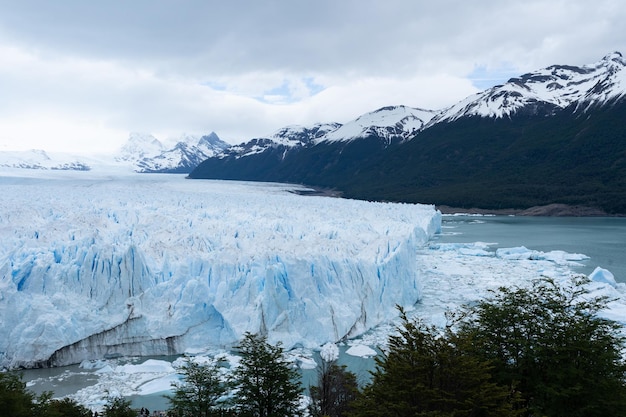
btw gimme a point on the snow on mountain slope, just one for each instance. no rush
(183, 156)
(555, 87)
(389, 123)
(94, 267)
(288, 136)
(140, 146)
(39, 159)
(147, 154)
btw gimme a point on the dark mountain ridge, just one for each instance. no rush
(554, 136)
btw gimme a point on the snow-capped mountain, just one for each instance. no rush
(39, 159)
(519, 144)
(142, 153)
(183, 157)
(390, 124)
(547, 90)
(140, 146)
(541, 92)
(288, 137)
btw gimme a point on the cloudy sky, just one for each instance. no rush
(79, 75)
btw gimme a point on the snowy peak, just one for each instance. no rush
(390, 123)
(211, 144)
(288, 136)
(39, 159)
(611, 80)
(140, 146)
(544, 91)
(148, 154)
(301, 135)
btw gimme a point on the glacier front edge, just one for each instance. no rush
(101, 266)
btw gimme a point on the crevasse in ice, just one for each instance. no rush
(98, 266)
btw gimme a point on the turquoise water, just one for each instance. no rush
(603, 239)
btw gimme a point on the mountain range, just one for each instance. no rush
(553, 136)
(142, 152)
(147, 154)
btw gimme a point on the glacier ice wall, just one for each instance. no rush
(96, 266)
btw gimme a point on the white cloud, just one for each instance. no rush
(81, 75)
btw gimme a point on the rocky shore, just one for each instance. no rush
(553, 210)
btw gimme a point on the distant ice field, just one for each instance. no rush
(96, 265)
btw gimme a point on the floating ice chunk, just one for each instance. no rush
(517, 253)
(163, 384)
(105, 370)
(361, 351)
(557, 256)
(307, 363)
(560, 257)
(151, 365)
(329, 352)
(604, 276)
(93, 364)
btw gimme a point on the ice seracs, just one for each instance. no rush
(155, 264)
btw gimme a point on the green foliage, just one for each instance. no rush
(336, 388)
(118, 407)
(426, 373)
(200, 393)
(66, 408)
(15, 399)
(265, 383)
(549, 341)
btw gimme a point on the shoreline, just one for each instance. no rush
(549, 210)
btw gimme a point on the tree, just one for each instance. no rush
(427, 373)
(118, 407)
(200, 393)
(336, 389)
(15, 399)
(66, 408)
(548, 339)
(265, 383)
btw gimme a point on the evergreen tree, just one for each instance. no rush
(118, 407)
(566, 360)
(426, 373)
(66, 408)
(266, 385)
(336, 389)
(200, 392)
(15, 399)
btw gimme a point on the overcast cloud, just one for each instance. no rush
(81, 75)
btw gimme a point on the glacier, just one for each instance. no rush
(99, 265)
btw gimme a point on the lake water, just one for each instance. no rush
(603, 239)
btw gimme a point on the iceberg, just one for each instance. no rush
(96, 265)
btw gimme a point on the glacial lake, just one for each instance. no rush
(602, 239)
